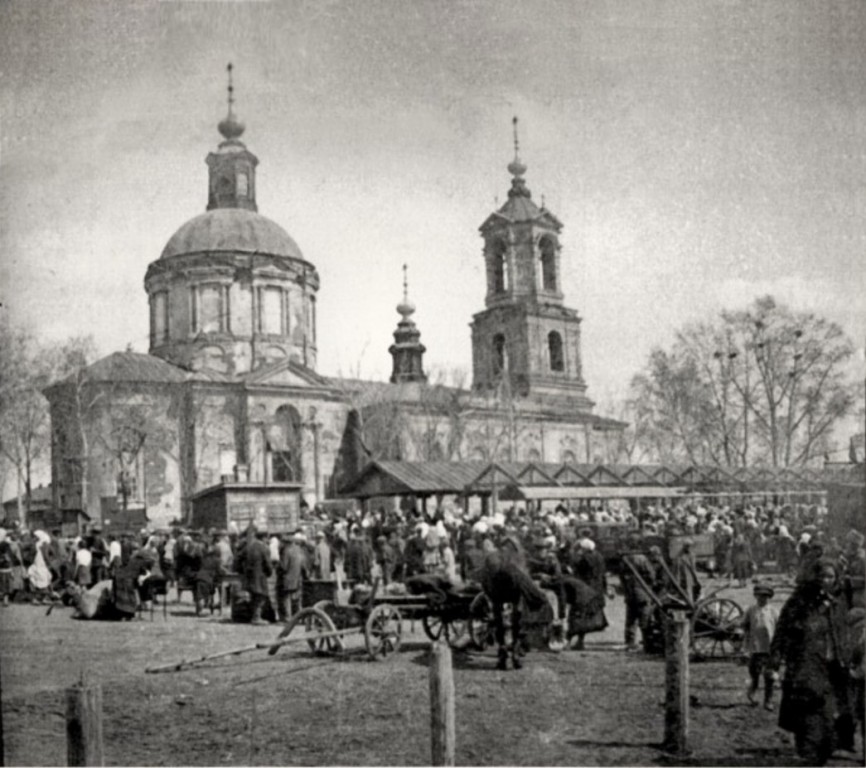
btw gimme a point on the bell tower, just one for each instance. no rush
(232, 168)
(407, 350)
(525, 336)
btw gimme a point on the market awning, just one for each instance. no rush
(552, 492)
(418, 478)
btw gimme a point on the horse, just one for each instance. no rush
(505, 580)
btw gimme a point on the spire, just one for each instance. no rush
(407, 349)
(231, 127)
(516, 168)
(406, 307)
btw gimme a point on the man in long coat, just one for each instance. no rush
(255, 568)
(292, 569)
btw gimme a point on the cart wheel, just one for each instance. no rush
(482, 629)
(434, 626)
(314, 622)
(383, 631)
(716, 628)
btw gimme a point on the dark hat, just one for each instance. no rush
(585, 533)
(763, 589)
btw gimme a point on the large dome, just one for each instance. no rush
(231, 229)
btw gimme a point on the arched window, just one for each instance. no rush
(548, 264)
(554, 346)
(284, 441)
(500, 267)
(568, 457)
(499, 353)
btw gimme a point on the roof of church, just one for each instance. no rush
(231, 229)
(134, 367)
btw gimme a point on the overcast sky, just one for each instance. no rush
(699, 154)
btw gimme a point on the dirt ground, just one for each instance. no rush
(596, 707)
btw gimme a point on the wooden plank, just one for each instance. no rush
(442, 730)
(84, 723)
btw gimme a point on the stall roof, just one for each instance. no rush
(421, 478)
(539, 492)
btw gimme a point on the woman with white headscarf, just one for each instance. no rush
(38, 573)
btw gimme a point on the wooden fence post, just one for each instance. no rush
(676, 684)
(441, 704)
(84, 723)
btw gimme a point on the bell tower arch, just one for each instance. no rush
(525, 332)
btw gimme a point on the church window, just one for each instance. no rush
(272, 309)
(284, 442)
(243, 185)
(548, 264)
(499, 353)
(554, 346)
(127, 484)
(313, 318)
(210, 311)
(160, 317)
(500, 268)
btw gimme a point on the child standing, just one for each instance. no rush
(759, 625)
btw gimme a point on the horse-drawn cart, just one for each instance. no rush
(379, 617)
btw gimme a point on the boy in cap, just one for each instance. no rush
(759, 626)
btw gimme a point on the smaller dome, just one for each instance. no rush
(516, 168)
(406, 308)
(231, 127)
(231, 229)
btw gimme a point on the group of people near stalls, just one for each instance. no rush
(817, 637)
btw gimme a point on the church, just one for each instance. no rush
(230, 390)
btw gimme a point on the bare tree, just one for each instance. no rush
(763, 385)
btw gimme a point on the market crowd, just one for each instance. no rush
(817, 636)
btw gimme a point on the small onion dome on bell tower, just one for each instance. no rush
(517, 169)
(407, 349)
(232, 182)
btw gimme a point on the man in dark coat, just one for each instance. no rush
(254, 565)
(812, 642)
(638, 603)
(359, 560)
(292, 569)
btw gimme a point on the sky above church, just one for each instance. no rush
(699, 155)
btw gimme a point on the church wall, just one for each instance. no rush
(322, 422)
(108, 413)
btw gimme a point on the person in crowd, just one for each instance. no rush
(82, 575)
(99, 552)
(637, 577)
(742, 560)
(413, 556)
(292, 569)
(358, 563)
(448, 561)
(323, 557)
(208, 578)
(684, 571)
(387, 559)
(854, 570)
(759, 626)
(589, 568)
(167, 558)
(7, 562)
(253, 562)
(473, 560)
(811, 641)
(38, 573)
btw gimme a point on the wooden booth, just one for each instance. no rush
(275, 507)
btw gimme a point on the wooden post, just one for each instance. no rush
(676, 683)
(84, 723)
(441, 704)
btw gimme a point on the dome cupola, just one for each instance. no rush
(231, 291)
